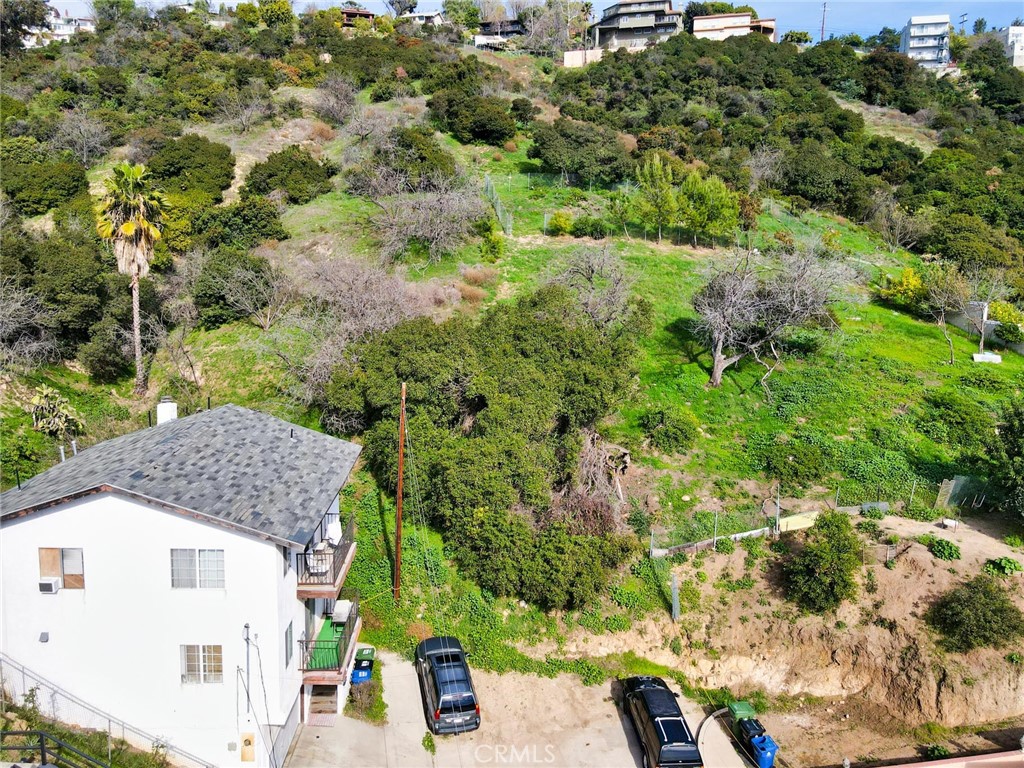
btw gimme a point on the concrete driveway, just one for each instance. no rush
(527, 720)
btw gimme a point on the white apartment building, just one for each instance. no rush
(722, 25)
(635, 25)
(61, 29)
(1012, 39)
(185, 578)
(925, 39)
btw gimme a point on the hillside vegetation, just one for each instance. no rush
(537, 254)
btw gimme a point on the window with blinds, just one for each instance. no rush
(197, 568)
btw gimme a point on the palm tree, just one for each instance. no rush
(130, 216)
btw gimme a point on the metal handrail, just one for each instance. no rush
(26, 673)
(325, 655)
(44, 753)
(337, 554)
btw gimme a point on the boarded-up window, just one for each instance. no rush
(68, 565)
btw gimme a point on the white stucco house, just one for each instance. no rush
(60, 28)
(186, 578)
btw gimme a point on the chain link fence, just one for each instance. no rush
(504, 217)
(22, 686)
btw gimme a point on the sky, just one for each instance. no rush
(864, 17)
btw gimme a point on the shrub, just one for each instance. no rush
(244, 224)
(943, 549)
(492, 246)
(1005, 312)
(676, 645)
(214, 276)
(977, 614)
(103, 355)
(935, 752)
(35, 188)
(906, 291)
(523, 111)
(294, 171)
(1011, 333)
(821, 576)
(872, 513)
(589, 226)
(725, 546)
(193, 163)
(796, 463)
(560, 223)
(964, 421)
(1003, 567)
(868, 527)
(1013, 540)
(670, 429)
(421, 155)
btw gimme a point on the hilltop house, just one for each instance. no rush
(187, 578)
(719, 26)
(635, 25)
(61, 28)
(434, 18)
(1012, 39)
(925, 39)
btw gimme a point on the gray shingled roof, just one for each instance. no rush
(246, 468)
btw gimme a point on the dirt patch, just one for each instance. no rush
(258, 144)
(876, 655)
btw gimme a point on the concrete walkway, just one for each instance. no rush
(527, 720)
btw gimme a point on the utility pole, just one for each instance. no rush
(247, 688)
(778, 507)
(963, 22)
(398, 500)
(824, 7)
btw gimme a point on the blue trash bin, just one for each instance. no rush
(764, 749)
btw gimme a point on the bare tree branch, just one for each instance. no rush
(24, 341)
(263, 295)
(336, 98)
(245, 107)
(765, 165)
(598, 278)
(747, 306)
(82, 134)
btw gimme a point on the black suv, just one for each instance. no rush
(448, 697)
(664, 735)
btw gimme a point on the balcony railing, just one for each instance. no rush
(323, 561)
(331, 655)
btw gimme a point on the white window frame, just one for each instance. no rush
(196, 661)
(197, 569)
(289, 641)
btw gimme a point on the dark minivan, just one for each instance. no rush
(664, 735)
(448, 696)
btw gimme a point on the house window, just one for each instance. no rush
(202, 568)
(68, 565)
(202, 664)
(288, 640)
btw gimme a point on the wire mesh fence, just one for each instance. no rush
(504, 217)
(22, 686)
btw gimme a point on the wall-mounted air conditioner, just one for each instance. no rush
(49, 586)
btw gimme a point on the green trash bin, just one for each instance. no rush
(363, 668)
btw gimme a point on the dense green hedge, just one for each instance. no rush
(495, 410)
(293, 171)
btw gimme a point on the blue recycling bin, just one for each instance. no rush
(764, 749)
(362, 670)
